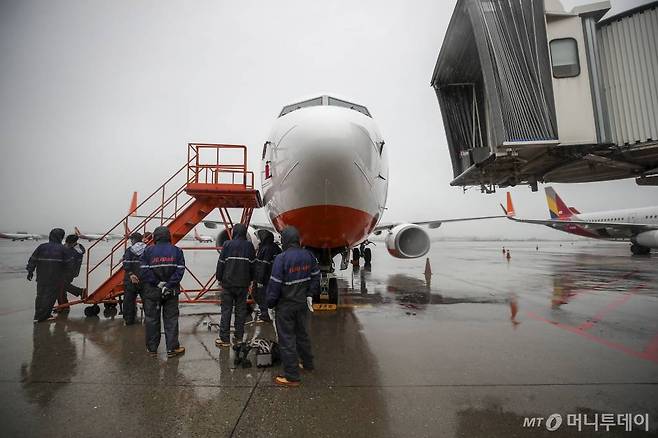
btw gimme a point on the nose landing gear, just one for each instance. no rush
(639, 249)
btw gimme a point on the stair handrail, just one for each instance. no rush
(194, 169)
(122, 241)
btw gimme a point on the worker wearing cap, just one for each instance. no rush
(161, 271)
(131, 285)
(52, 261)
(295, 278)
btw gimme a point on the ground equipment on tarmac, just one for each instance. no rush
(267, 352)
(210, 179)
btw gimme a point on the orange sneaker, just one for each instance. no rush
(282, 381)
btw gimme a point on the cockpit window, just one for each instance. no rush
(337, 102)
(295, 106)
(325, 100)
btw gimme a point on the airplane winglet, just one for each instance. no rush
(510, 206)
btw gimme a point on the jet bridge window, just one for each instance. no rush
(360, 108)
(564, 58)
(295, 106)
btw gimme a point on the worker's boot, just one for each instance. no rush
(176, 352)
(282, 381)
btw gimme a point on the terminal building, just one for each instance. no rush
(530, 93)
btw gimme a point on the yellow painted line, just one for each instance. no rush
(324, 306)
(332, 307)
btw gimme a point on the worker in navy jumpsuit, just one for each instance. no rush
(53, 262)
(295, 278)
(161, 271)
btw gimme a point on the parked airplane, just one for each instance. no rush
(202, 238)
(20, 235)
(90, 237)
(639, 225)
(325, 171)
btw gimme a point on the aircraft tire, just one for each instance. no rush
(367, 256)
(639, 249)
(333, 291)
(356, 255)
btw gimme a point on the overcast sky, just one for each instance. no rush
(98, 99)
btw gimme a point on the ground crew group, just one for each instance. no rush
(285, 283)
(56, 266)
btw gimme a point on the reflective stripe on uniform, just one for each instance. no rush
(163, 266)
(276, 279)
(301, 280)
(240, 258)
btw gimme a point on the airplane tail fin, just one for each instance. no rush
(556, 206)
(132, 210)
(77, 231)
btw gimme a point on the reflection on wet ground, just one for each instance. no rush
(405, 354)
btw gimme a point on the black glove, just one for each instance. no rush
(30, 275)
(167, 292)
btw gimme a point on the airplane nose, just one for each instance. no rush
(331, 146)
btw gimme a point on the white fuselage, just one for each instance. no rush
(325, 171)
(640, 216)
(92, 237)
(20, 236)
(203, 239)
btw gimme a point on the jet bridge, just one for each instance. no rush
(532, 93)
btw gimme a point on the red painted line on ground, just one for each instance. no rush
(652, 349)
(9, 312)
(646, 355)
(610, 307)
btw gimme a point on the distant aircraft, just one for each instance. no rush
(639, 225)
(20, 235)
(202, 238)
(90, 237)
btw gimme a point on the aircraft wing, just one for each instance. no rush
(434, 223)
(213, 224)
(255, 226)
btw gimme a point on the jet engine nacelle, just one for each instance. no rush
(648, 239)
(407, 241)
(251, 237)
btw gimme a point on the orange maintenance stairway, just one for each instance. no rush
(209, 181)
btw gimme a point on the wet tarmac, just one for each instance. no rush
(476, 349)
